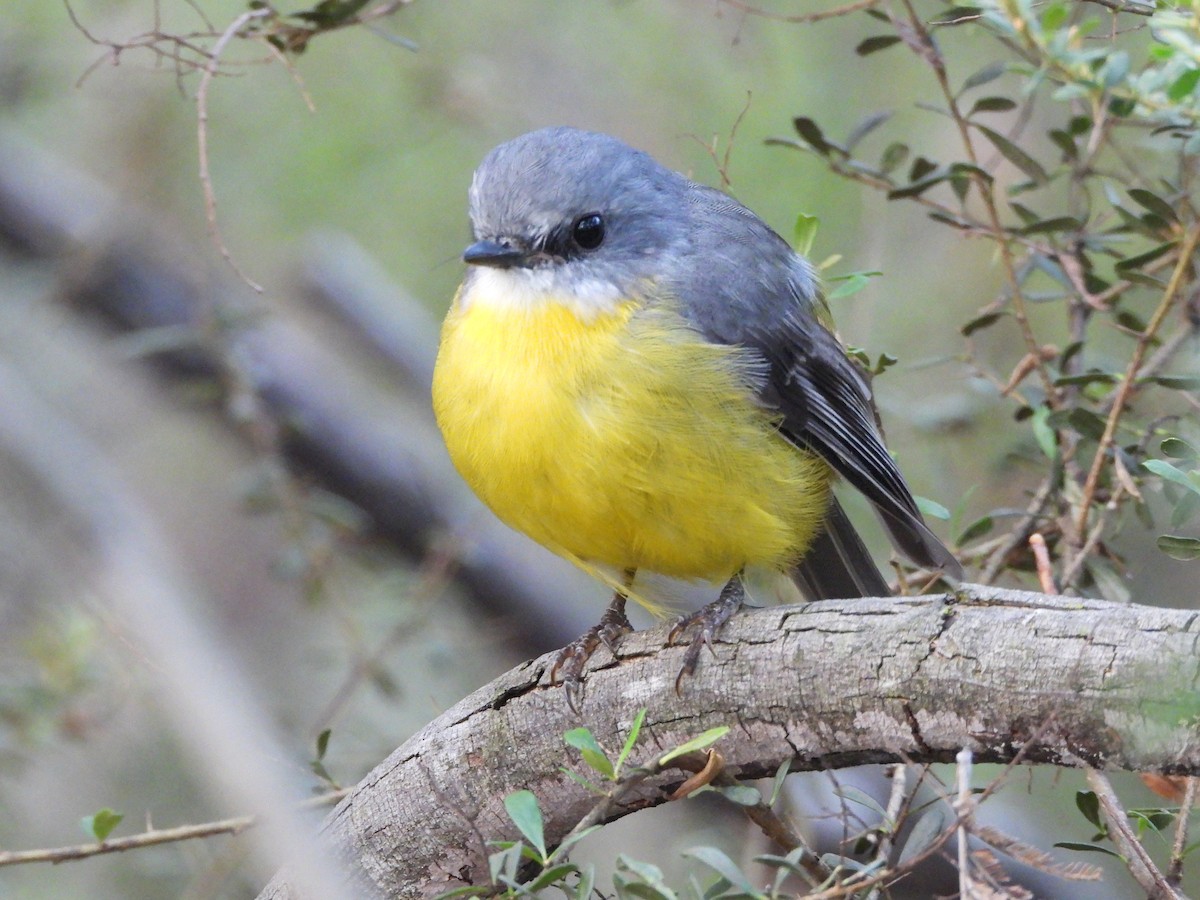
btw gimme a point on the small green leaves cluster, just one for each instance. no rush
(528, 866)
(1078, 155)
(100, 824)
(1155, 821)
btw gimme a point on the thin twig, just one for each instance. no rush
(801, 18)
(1041, 557)
(1179, 846)
(1137, 860)
(966, 815)
(998, 560)
(891, 824)
(435, 573)
(1126, 388)
(210, 198)
(152, 837)
(928, 51)
(1133, 7)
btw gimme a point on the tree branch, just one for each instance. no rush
(826, 685)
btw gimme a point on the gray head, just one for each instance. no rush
(580, 215)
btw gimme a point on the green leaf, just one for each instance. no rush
(550, 876)
(1048, 226)
(781, 775)
(848, 284)
(587, 881)
(741, 794)
(981, 322)
(101, 824)
(893, 157)
(583, 782)
(649, 883)
(1109, 582)
(988, 73)
(1065, 143)
(885, 362)
(1157, 820)
(1136, 262)
(1153, 203)
(502, 865)
(1177, 382)
(1092, 376)
(1044, 433)
(876, 43)
(720, 863)
(865, 127)
(1115, 69)
(1185, 510)
(331, 12)
(634, 730)
(1054, 17)
(469, 890)
(805, 233)
(976, 530)
(1089, 804)
(916, 188)
(571, 839)
(1178, 448)
(1179, 547)
(992, 104)
(851, 794)
(1087, 848)
(697, 743)
(1168, 472)
(323, 743)
(523, 809)
(956, 15)
(927, 830)
(931, 508)
(811, 132)
(593, 754)
(1122, 107)
(1184, 85)
(920, 168)
(1081, 421)
(1015, 154)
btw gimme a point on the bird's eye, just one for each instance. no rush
(588, 231)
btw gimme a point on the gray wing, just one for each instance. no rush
(750, 288)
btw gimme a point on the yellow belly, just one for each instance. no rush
(625, 440)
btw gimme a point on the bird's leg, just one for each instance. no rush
(573, 657)
(707, 621)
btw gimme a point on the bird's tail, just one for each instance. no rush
(837, 566)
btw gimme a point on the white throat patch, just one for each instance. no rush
(532, 289)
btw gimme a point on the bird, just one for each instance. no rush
(634, 373)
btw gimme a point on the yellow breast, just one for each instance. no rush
(622, 438)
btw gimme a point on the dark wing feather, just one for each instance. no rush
(827, 408)
(838, 565)
(746, 286)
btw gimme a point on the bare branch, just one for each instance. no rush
(1005, 674)
(236, 28)
(152, 837)
(802, 18)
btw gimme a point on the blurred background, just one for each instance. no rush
(276, 452)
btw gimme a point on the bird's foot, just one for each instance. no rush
(706, 622)
(573, 657)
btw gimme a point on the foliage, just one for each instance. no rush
(1075, 156)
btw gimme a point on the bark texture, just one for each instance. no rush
(824, 685)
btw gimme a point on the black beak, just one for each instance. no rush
(494, 254)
